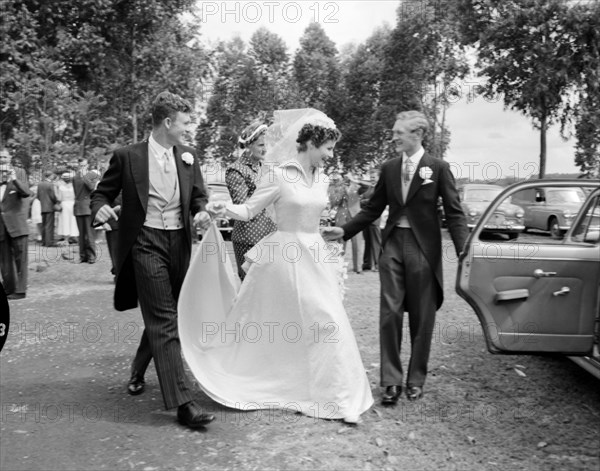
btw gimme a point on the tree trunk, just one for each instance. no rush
(83, 139)
(134, 122)
(543, 129)
(443, 130)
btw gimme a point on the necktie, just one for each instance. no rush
(169, 175)
(406, 171)
(166, 163)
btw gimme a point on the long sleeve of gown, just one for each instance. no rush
(266, 193)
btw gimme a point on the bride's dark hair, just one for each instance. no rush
(316, 134)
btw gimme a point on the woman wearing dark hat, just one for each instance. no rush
(242, 177)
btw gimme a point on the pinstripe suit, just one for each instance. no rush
(151, 263)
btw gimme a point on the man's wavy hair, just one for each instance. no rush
(414, 120)
(166, 105)
(316, 134)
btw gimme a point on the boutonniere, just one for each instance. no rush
(425, 173)
(187, 158)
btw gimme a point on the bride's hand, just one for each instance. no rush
(216, 209)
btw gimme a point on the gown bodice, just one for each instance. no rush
(298, 199)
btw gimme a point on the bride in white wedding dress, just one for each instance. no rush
(283, 341)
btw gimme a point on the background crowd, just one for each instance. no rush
(50, 209)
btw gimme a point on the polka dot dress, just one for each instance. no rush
(242, 178)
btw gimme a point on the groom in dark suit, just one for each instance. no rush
(162, 188)
(410, 267)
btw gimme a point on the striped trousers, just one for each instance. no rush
(160, 260)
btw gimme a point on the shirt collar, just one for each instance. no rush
(157, 148)
(416, 157)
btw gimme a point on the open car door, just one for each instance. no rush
(535, 294)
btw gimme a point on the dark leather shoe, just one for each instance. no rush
(14, 296)
(391, 395)
(414, 393)
(190, 415)
(136, 384)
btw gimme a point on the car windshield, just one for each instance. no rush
(565, 195)
(482, 194)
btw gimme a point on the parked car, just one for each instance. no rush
(218, 192)
(538, 296)
(550, 209)
(507, 218)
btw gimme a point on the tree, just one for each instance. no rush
(583, 24)
(421, 61)
(250, 82)
(316, 71)
(524, 52)
(362, 143)
(78, 76)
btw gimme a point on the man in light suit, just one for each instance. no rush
(84, 183)
(162, 189)
(14, 205)
(410, 267)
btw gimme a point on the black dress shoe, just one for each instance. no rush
(190, 415)
(414, 393)
(136, 384)
(14, 296)
(391, 395)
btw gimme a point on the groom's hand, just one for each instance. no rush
(104, 214)
(332, 233)
(202, 220)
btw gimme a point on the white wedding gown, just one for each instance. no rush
(284, 340)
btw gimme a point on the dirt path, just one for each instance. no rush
(66, 360)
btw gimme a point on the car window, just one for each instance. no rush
(481, 194)
(565, 195)
(540, 215)
(587, 229)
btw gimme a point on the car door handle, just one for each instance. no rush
(562, 292)
(543, 274)
(511, 295)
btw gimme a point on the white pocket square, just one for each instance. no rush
(11, 192)
(426, 182)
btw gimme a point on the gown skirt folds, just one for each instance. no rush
(281, 340)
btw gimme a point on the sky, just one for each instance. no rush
(487, 141)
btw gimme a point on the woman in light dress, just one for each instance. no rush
(283, 341)
(67, 224)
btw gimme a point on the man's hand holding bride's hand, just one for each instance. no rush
(332, 233)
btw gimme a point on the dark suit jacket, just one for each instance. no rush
(128, 172)
(83, 185)
(46, 193)
(14, 208)
(420, 208)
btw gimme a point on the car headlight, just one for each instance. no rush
(472, 213)
(568, 214)
(519, 214)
